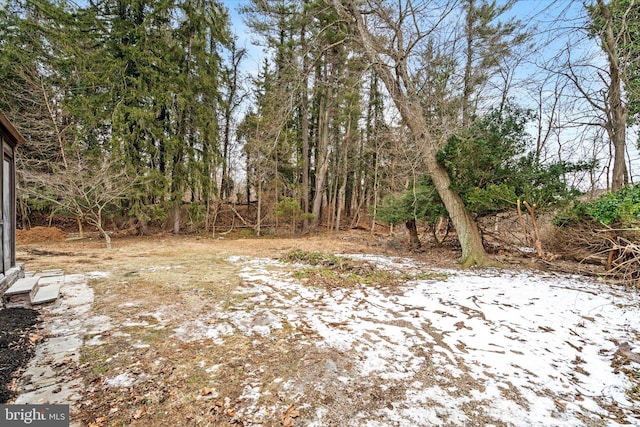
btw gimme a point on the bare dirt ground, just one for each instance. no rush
(200, 331)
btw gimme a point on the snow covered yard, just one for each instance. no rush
(184, 331)
(487, 347)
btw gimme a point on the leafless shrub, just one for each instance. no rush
(617, 251)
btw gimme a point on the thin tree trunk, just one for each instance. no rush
(248, 184)
(259, 216)
(216, 209)
(332, 201)
(176, 217)
(537, 243)
(616, 110)
(345, 173)
(304, 130)
(468, 84)
(375, 192)
(322, 162)
(357, 195)
(80, 228)
(97, 221)
(414, 239)
(26, 224)
(55, 125)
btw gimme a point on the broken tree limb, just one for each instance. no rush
(240, 217)
(537, 244)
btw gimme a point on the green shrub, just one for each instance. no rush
(491, 166)
(621, 207)
(570, 215)
(288, 209)
(421, 202)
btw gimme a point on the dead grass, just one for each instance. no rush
(157, 285)
(155, 366)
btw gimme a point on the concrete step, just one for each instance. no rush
(21, 292)
(46, 294)
(51, 273)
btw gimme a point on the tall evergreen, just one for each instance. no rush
(135, 82)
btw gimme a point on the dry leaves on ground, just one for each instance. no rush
(288, 418)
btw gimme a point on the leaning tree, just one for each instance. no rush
(395, 39)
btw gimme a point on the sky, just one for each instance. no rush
(255, 54)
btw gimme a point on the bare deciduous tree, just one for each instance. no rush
(84, 191)
(606, 94)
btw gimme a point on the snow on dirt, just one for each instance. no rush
(461, 346)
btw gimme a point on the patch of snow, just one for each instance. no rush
(528, 250)
(161, 268)
(530, 349)
(122, 380)
(98, 324)
(95, 340)
(213, 368)
(133, 324)
(260, 321)
(75, 278)
(140, 345)
(160, 316)
(382, 260)
(195, 330)
(97, 274)
(236, 259)
(130, 304)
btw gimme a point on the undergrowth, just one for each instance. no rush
(331, 271)
(603, 231)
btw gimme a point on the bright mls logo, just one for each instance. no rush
(34, 415)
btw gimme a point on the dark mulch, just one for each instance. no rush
(17, 343)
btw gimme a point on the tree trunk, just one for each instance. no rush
(304, 130)
(230, 106)
(374, 209)
(468, 85)
(357, 198)
(248, 180)
(24, 216)
(414, 239)
(342, 192)
(80, 229)
(142, 227)
(107, 238)
(259, 215)
(616, 111)
(97, 222)
(176, 217)
(473, 252)
(322, 161)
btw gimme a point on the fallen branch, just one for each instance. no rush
(535, 239)
(240, 216)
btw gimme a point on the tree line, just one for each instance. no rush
(361, 110)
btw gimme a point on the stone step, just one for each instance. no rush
(46, 294)
(21, 293)
(51, 273)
